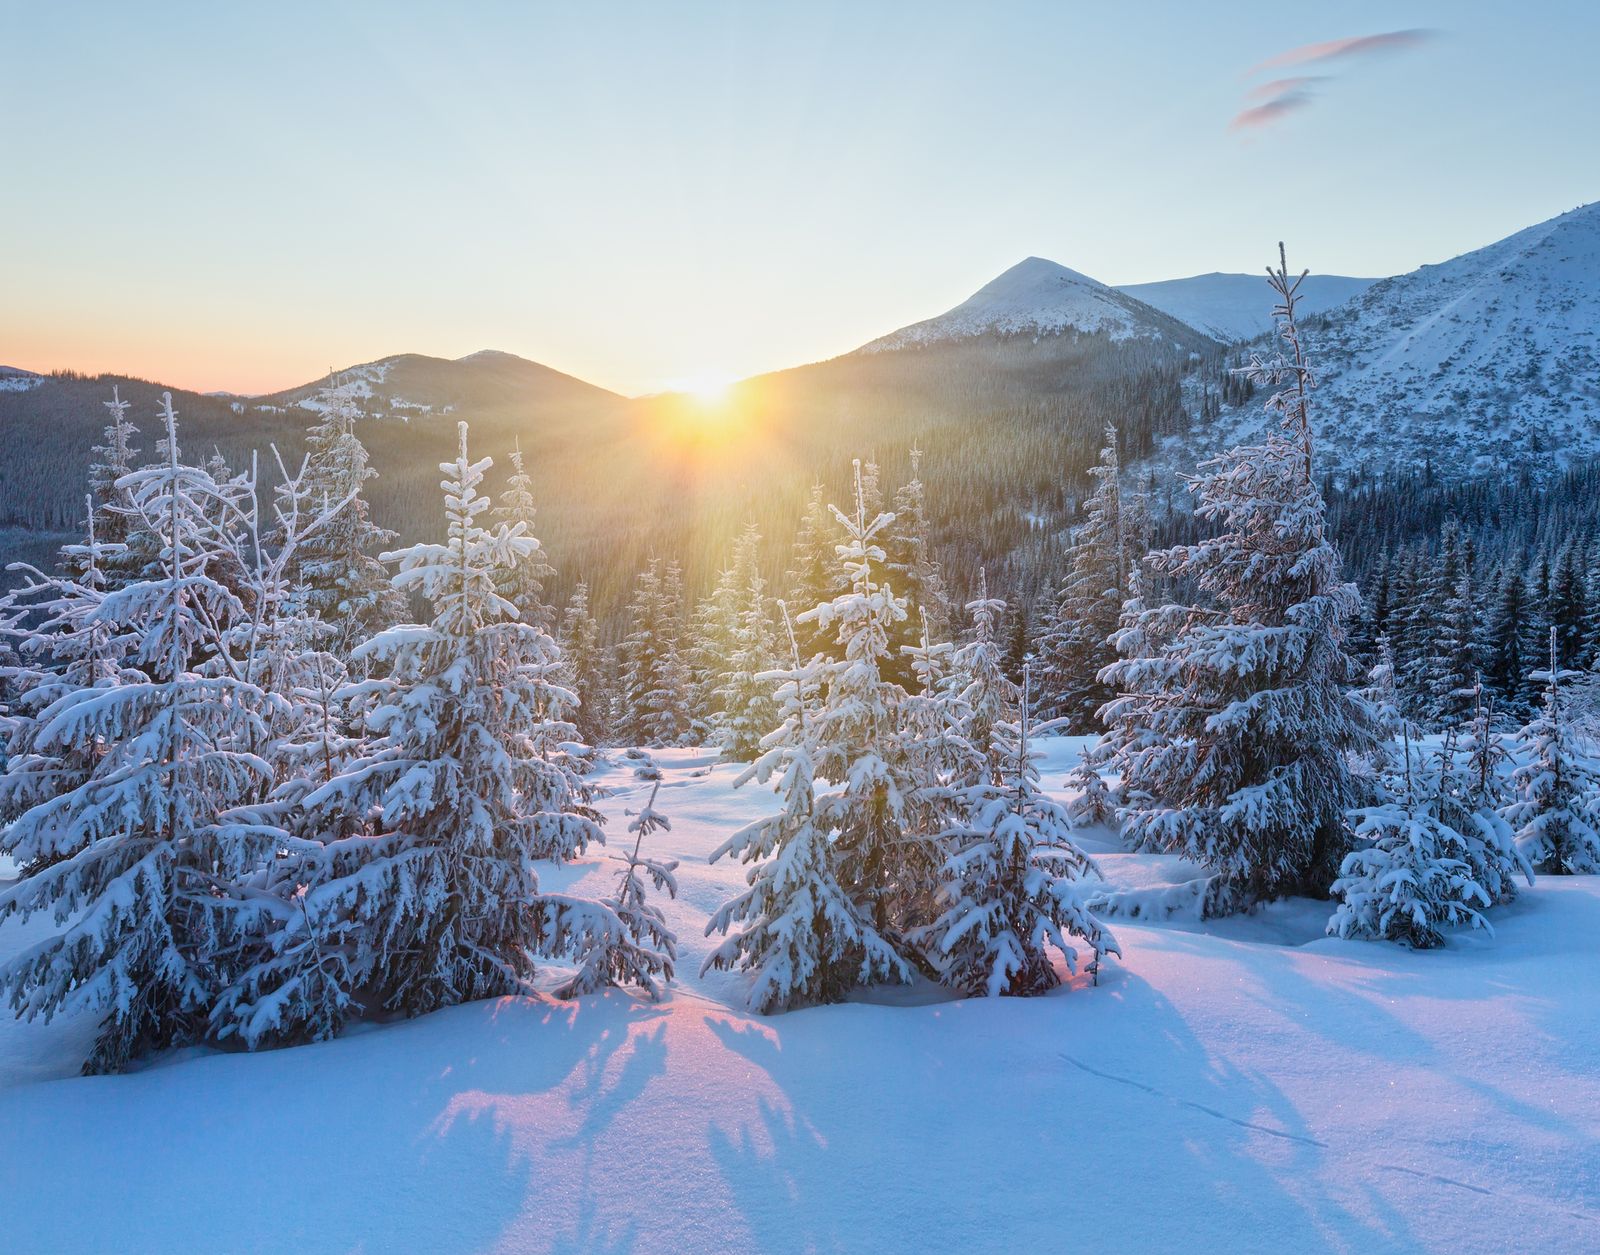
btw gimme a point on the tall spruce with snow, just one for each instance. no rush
(813, 576)
(1414, 877)
(1556, 813)
(887, 856)
(523, 585)
(346, 584)
(583, 668)
(129, 853)
(803, 939)
(1249, 724)
(908, 560)
(653, 685)
(746, 705)
(1075, 646)
(627, 941)
(442, 904)
(110, 505)
(1009, 886)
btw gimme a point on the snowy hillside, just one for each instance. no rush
(1489, 360)
(412, 385)
(15, 380)
(1249, 1085)
(1231, 307)
(1039, 298)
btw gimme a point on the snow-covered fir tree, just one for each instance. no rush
(523, 586)
(795, 929)
(628, 942)
(583, 668)
(1556, 812)
(125, 852)
(1075, 645)
(347, 586)
(442, 903)
(747, 711)
(813, 576)
(887, 857)
(653, 684)
(911, 569)
(1413, 880)
(111, 506)
(1010, 884)
(1242, 762)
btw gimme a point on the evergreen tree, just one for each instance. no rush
(125, 849)
(1251, 723)
(584, 671)
(813, 576)
(1414, 879)
(886, 860)
(633, 944)
(443, 903)
(1075, 647)
(744, 698)
(110, 503)
(523, 585)
(804, 939)
(908, 561)
(1010, 884)
(347, 585)
(653, 696)
(1557, 811)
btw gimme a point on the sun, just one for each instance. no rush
(710, 388)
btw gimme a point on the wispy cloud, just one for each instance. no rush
(1341, 49)
(1268, 102)
(1269, 112)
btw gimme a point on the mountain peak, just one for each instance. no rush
(1036, 297)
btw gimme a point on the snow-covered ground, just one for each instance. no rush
(1243, 1086)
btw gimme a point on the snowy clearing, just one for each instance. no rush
(1246, 1085)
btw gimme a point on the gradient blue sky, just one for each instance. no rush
(239, 196)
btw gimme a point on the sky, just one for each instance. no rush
(651, 195)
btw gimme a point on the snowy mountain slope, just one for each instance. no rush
(1244, 1086)
(13, 379)
(413, 384)
(1486, 362)
(1038, 298)
(1231, 307)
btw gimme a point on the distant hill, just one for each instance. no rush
(1238, 307)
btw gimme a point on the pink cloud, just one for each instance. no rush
(1341, 49)
(1269, 112)
(1282, 87)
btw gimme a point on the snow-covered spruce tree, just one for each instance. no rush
(908, 561)
(1455, 658)
(653, 697)
(1075, 646)
(929, 715)
(1242, 762)
(126, 857)
(442, 905)
(583, 668)
(1009, 887)
(523, 585)
(1414, 879)
(748, 709)
(1472, 778)
(110, 505)
(884, 840)
(1557, 810)
(629, 942)
(813, 576)
(56, 643)
(804, 939)
(348, 587)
